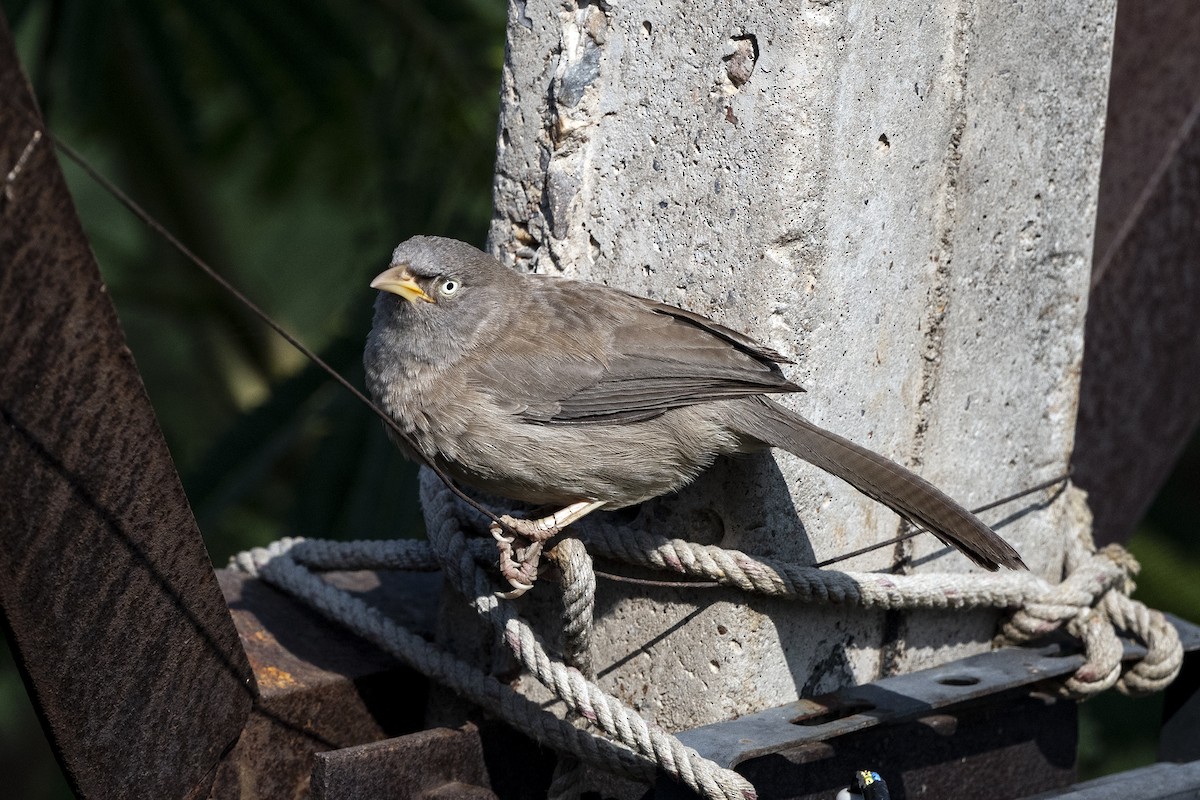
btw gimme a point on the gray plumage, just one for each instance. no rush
(553, 391)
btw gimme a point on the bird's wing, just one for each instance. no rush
(598, 355)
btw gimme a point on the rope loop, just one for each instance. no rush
(1091, 603)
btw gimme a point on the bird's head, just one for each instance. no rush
(443, 295)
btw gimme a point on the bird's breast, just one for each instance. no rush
(483, 441)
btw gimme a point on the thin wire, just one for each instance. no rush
(1024, 492)
(158, 228)
(683, 582)
(917, 531)
(686, 584)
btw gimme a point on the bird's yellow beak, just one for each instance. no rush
(398, 280)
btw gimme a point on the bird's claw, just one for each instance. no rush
(519, 564)
(500, 535)
(515, 592)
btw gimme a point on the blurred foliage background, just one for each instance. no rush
(292, 145)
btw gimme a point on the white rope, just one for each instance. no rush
(278, 566)
(582, 696)
(1092, 603)
(578, 596)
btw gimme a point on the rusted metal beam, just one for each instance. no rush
(330, 701)
(320, 687)
(973, 727)
(442, 762)
(1140, 388)
(994, 750)
(1180, 738)
(108, 595)
(478, 761)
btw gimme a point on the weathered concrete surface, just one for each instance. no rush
(902, 200)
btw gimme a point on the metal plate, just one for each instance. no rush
(891, 700)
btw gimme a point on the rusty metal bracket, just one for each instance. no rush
(1180, 738)
(442, 762)
(896, 698)
(935, 728)
(482, 760)
(320, 687)
(1155, 782)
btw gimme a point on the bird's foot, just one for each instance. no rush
(520, 569)
(520, 542)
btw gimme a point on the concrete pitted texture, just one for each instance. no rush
(902, 200)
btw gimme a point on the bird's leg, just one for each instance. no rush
(547, 527)
(519, 565)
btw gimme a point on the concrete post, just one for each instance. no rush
(902, 199)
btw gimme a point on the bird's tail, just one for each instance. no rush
(913, 497)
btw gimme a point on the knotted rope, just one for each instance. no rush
(1091, 603)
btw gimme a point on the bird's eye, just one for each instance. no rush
(448, 287)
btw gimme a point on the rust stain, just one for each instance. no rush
(272, 677)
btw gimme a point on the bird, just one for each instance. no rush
(579, 396)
